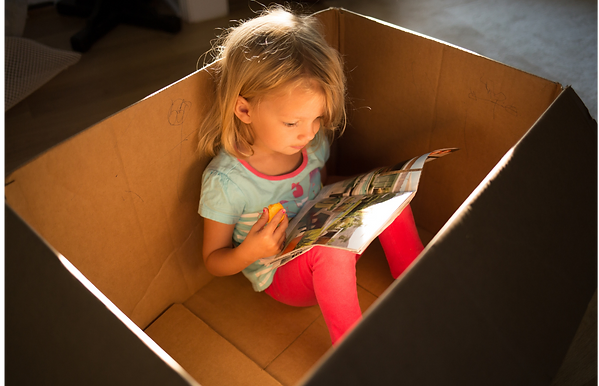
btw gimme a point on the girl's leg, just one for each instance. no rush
(401, 242)
(323, 276)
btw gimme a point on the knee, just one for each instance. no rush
(334, 257)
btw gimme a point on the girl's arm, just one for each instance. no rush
(263, 240)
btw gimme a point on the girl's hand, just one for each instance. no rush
(265, 238)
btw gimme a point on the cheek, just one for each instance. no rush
(262, 128)
(316, 126)
(274, 135)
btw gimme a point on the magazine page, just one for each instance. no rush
(350, 214)
(402, 177)
(347, 222)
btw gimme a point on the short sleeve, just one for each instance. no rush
(221, 200)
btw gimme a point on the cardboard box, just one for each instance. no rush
(495, 298)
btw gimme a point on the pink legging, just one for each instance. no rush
(327, 276)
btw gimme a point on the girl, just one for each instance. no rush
(280, 93)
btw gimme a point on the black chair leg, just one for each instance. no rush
(104, 15)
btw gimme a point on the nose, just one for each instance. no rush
(310, 130)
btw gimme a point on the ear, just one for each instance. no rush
(243, 110)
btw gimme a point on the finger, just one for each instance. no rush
(261, 221)
(282, 227)
(283, 239)
(280, 232)
(277, 219)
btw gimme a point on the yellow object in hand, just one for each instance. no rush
(274, 209)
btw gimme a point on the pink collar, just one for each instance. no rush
(282, 176)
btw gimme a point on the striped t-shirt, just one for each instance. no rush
(235, 193)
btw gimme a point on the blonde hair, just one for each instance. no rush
(272, 50)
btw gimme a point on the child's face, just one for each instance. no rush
(285, 120)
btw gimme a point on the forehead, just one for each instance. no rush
(300, 96)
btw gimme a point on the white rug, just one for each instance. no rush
(28, 65)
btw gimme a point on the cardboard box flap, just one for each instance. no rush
(59, 333)
(498, 295)
(208, 357)
(134, 178)
(120, 200)
(410, 94)
(330, 20)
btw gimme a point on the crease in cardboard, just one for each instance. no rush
(173, 255)
(340, 23)
(190, 285)
(149, 288)
(159, 272)
(201, 349)
(284, 350)
(173, 261)
(132, 204)
(124, 318)
(436, 100)
(172, 116)
(46, 210)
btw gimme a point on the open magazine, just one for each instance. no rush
(350, 214)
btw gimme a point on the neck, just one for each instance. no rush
(275, 164)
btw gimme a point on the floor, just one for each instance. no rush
(553, 39)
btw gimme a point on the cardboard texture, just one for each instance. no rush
(497, 297)
(120, 199)
(204, 353)
(59, 333)
(410, 94)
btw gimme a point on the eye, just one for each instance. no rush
(290, 124)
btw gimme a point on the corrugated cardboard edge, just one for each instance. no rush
(82, 300)
(398, 91)
(341, 11)
(381, 350)
(119, 177)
